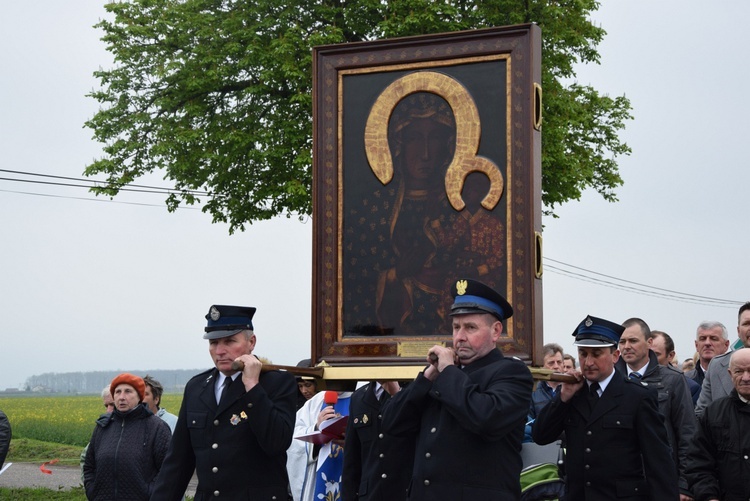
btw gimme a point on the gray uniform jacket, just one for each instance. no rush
(716, 383)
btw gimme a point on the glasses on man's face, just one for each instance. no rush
(109, 406)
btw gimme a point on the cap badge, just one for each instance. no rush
(461, 286)
(214, 313)
(588, 322)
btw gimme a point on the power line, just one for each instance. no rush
(639, 284)
(90, 183)
(105, 200)
(638, 288)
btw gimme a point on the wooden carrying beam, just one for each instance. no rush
(383, 373)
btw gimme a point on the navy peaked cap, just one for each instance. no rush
(594, 332)
(471, 296)
(225, 321)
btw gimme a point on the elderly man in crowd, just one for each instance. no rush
(717, 382)
(467, 408)
(711, 340)
(718, 468)
(552, 354)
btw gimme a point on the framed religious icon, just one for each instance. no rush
(426, 170)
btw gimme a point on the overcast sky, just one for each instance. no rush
(90, 284)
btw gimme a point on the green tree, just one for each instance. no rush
(217, 94)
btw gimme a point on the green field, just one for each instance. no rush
(67, 420)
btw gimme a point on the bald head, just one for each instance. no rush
(739, 370)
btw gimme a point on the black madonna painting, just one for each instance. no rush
(420, 189)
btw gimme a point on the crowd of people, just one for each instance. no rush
(631, 425)
(693, 413)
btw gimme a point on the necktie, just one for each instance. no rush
(383, 396)
(635, 376)
(594, 390)
(225, 390)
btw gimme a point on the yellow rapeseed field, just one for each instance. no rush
(61, 419)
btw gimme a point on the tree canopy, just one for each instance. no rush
(217, 94)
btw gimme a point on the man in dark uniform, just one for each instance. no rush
(234, 426)
(377, 465)
(467, 408)
(617, 442)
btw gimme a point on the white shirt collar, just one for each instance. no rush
(603, 384)
(640, 371)
(220, 384)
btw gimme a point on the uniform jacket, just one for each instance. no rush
(716, 382)
(469, 425)
(675, 404)
(718, 466)
(610, 446)
(377, 465)
(238, 449)
(125, 454)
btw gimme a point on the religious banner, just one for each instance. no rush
(426, 170)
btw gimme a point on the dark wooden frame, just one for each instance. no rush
(520, 49)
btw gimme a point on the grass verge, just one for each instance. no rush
(41, 494)
(27, 450)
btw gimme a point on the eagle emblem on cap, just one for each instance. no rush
(461, 286)
(214, 313)
(588, 322)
